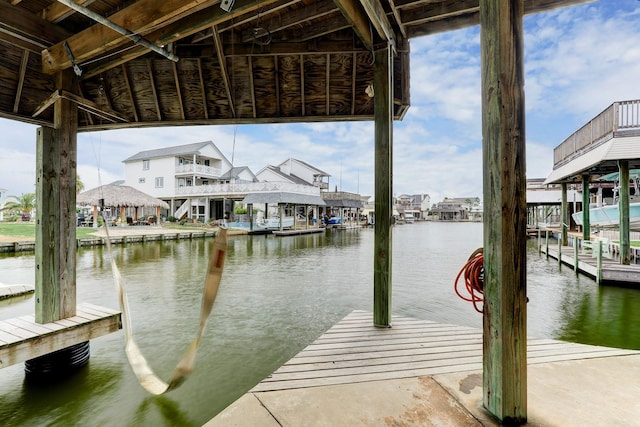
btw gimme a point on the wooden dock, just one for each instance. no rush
(23, 339)
(297, 231)
(355, 351)
(420, 372)
(609, 272)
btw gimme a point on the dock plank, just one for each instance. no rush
(22, 338)
(355, 351)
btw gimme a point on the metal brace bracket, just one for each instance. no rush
(76, 67)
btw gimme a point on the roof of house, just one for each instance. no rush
(118, 195)
(235, 172)
(176, 150)
(302, 162)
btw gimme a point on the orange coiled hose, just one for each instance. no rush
(473, 273)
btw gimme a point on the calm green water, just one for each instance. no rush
(277, 296)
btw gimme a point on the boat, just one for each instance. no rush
(609, 216)
(273, 223)
(409, 218)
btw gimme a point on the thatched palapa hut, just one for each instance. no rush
(119, 197)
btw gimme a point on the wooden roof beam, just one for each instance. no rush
(184, 28)
(296, 17)
(23, 25)
(178, 91)
(153, 89)
(127, 83)
(203, 93)
(23, 71)
(56, 12)
(83, 104)
(222, 60)
(356, 16)
(472, 17)
(141, 17)
(379, 20)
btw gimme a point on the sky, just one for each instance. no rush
(578, 61)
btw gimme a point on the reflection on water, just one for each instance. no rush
(277, 295)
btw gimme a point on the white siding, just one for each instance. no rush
(165, 168)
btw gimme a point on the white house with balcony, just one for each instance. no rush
(295, 171)
(198, 182)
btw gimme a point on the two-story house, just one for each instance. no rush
(413, 204)
(173, 173)
(199, 182)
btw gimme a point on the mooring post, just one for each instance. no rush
(623, 207)
(575, 255)
(505, 207)
(383, 123)
(560, 249)
(586, 201)
(564, 216)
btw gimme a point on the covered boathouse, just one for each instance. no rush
(114, 64)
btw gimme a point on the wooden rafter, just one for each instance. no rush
(82, 95)
(127, 83)
(276, 75)
(295, 18)
(396, 16)
(203, 92)
(18, 23)
(217, 42)
(252, 89)
(353, 83)
(23, 71)
(141, 17)
(83, 104)
(357, 17)
(327, 84)
(304, 113)
(56, 12)
(378, 19)
(178, 91)
(153, 89)
(184, 28)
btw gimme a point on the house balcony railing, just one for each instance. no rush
(200, 170)
(242, 189)
(619, 119)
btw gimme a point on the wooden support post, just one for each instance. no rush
(55, 251)
(575, 255)
(546, 242)
(564, 217)
(383, 118)
(586, 221)
(560, 250)
(250, 212)
(504, 189)
(598, 248)
(623, 207)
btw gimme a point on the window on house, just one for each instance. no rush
(159, 182)
(145, 165)
(141, 180)
(206, 162)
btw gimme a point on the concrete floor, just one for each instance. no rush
(591, 392)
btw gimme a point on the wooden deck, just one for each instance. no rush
(354, 351)
(612, 271)
(22, 338)
(297, 231)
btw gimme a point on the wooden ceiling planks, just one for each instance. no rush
(263, 61)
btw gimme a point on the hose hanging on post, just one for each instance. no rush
(473, 272)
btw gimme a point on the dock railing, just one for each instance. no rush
(619, 116)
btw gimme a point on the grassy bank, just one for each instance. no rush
(27, 230)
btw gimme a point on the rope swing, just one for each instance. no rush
(147, 378)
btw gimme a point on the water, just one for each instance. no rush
(277, 296)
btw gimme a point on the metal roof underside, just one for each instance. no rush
(284, 198)
(344, 203)
(258, 61)
(599, 161)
